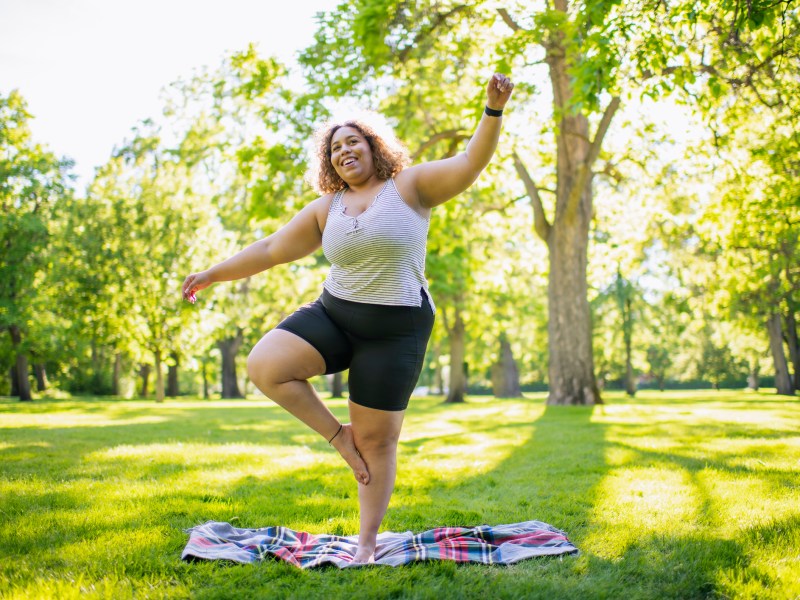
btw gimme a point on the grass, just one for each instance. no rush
(672, 495)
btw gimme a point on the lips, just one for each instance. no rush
(348, 161)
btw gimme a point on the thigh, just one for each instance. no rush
(314, 325)
(383, 373)
(285, 356)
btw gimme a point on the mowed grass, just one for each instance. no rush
(671, 495)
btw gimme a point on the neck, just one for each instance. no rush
(368, 184)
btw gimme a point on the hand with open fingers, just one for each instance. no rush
(193, 284)
(498, 91)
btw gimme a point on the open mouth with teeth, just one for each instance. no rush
(348, 161)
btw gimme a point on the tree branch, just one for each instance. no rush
(450, 134)
(439, 20)
(540, 222)
(508, 20)
(585, 169)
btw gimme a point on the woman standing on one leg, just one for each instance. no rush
(375, 314)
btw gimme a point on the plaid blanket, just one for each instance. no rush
(502, 544)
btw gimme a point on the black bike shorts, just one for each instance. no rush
(383, 346)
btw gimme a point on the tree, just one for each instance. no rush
(32, 181)
(593, 51)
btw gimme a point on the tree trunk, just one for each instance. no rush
(505, 374)
(144, 374)
(204, 369)
(21, 365)
(337, 385)
(752, 377)
(41, 377)
(229, 347)
(458, 376)
(783, 382)
(627, 330)
(794, 349)
(172, 377)
(12, 374)
(571, 363)
(116, 374)
(159, 376)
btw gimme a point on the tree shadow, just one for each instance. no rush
(554, 472)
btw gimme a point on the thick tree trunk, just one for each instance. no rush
(783, 382)
(144, 374)
(458, 376)
(12, 374)
(159, 376)
(21, 365)
(116, 374)
(229, 347)
(571, 363)
(337, 385)
(794, 349)
(505, 374)
(172, 378)
(41, 377)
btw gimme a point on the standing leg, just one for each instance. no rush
(280, 365)
(376, 434)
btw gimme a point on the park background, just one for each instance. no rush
(636, 234)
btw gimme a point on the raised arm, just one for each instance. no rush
(438, 181)
(298, 238)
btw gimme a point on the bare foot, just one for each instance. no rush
(364, 555)
(346, 446)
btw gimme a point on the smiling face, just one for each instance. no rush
(351, 155)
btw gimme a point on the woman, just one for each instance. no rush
(375, 314)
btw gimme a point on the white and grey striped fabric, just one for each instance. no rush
(377, 257)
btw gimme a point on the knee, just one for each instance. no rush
(258, 371)
(376, 441)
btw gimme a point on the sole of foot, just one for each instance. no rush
(345, 445)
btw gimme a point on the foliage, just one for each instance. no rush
(33, 182)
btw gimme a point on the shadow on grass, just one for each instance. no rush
(554, 475)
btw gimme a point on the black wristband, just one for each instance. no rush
(492, 112)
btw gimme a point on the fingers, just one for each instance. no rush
(502, 83)
(188, 289)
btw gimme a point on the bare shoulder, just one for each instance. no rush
(406, 183)
(320, 208)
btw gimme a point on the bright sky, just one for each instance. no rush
(91, 69)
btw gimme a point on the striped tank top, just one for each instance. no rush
(377, 257)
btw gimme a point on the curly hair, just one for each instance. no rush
(388, 155)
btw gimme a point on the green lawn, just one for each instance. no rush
(672, 495)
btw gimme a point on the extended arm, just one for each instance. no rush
(438, 181)
(298, 238)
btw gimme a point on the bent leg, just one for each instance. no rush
(376, 434)
(280, 365)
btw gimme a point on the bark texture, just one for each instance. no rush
(458, 375)
(41, 377)
(172, 378)
(783, 382)
(144, 376)
(229, 348)
(20, 365)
